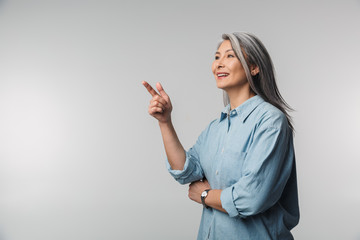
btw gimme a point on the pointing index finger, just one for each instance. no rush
(149, 88)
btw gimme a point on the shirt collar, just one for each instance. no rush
(244, 110)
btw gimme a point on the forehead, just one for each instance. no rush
(225, 45)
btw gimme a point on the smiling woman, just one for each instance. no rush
(242, 167)
(229, 73)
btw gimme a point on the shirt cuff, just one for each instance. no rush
(227, 201)
(182, 175)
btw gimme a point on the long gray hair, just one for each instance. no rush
(263, 83)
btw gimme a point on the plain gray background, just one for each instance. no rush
(80, 158)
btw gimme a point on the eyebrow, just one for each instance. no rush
(225, 51)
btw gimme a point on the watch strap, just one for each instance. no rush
(203, 198)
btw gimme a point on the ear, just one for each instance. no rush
(254, 70)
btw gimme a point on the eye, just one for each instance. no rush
(230, 55)
(216, 57)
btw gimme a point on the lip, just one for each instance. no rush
(222, 76)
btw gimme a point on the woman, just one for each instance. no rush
(242, 167)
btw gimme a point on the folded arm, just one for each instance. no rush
(266, 170)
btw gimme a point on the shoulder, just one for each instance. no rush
(208, 128)
(213, 124)
(268, 116)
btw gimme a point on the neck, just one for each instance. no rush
(239, 96)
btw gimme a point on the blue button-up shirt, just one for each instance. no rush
(248, 153)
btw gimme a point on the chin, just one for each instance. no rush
(221, 85)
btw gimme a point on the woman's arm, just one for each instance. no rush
(269, 164)
(266, 170)
(160, 108)
(213, 198)
(173, 148)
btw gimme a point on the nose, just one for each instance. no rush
(220, 63)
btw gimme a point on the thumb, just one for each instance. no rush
(162, 91)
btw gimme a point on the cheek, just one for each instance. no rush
(213, 67)
(237, 69)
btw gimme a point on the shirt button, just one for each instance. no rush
(222, 150)
(217, 172)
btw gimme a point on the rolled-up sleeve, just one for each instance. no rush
(265, 171)
(192, 170)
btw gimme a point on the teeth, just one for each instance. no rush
(222, 75)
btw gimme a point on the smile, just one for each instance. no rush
(222, 75)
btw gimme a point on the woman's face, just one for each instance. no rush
(227, 69)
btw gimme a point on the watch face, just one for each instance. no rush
(204, 194)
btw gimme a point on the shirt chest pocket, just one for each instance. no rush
(231, 167)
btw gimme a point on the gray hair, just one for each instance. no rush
(263, 83)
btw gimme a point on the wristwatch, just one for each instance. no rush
(203, 196)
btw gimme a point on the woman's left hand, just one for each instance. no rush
(196, 188)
